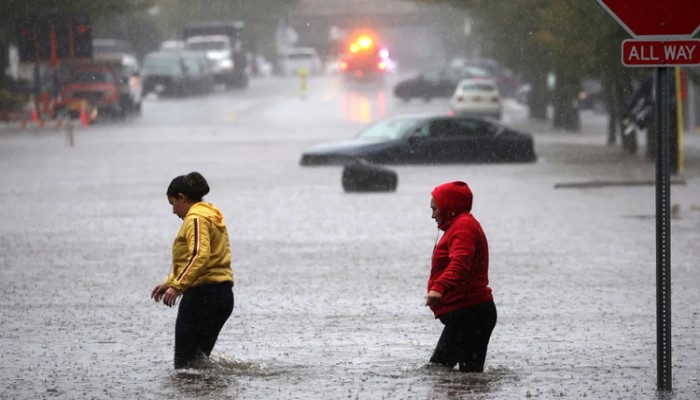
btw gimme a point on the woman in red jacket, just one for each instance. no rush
(458, 287)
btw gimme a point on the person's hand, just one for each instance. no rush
(158, 292)
(433, 299)
(170, 297)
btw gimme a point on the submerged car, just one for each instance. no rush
(431, 139)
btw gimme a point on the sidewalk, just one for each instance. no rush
(589, 146)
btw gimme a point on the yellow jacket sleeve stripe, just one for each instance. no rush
(195, 254)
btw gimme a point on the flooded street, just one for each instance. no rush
(329, 286)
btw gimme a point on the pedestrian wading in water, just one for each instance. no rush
(458, 286)
(201, 271)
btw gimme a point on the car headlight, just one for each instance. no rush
(225, 64)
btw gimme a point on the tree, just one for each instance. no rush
(11, 12)
(572, 39)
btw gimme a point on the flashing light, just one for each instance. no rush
(384, 53)
(365, 42)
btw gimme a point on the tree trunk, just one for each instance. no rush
(539, 96)
(4, 60)
(566, 110)
(613, 105)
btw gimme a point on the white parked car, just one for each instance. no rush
(294, 60)
(477, 96)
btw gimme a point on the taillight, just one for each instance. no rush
(381, 66)
(343, 66)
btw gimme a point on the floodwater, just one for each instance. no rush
(330, 285)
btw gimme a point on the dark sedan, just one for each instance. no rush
(433, 139)
(177, 73)
(436, 82)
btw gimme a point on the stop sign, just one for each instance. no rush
(656, 18)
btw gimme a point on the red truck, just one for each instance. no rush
(97, 86)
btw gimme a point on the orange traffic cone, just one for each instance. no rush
(84, 118)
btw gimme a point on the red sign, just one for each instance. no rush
(657, 18)
(660, 53)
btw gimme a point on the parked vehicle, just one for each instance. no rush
(219, 53)
(477, 96)
(223, 42)
(177, 73)
(294, 59)
(129, 75)
(435, 82)
(96, 85)
(428, 139)
(591, 96)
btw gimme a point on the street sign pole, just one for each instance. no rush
(663, 230)
(664, 37)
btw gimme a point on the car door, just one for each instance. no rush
(433, 142)
(458, 140)
(431, 84)
(448, 82)
(475, 140)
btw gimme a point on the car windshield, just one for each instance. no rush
(213, 45)
(388, 129)
(299, 56)
(164, 65)
(477, 86)
(91, 77)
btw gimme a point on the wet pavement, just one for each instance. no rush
(329, 285)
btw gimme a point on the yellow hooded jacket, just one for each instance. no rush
(201, 252)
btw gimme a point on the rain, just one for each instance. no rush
(330, 283)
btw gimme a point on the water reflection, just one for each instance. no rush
(363, 107)
(212, 378)
(451, 384)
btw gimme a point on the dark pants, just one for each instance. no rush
(202, 313)
(465, 338)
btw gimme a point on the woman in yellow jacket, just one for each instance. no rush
(201, 271)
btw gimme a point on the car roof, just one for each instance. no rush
(478, 80)
(425, 116)
(207, 38)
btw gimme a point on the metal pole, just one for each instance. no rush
(663, 230)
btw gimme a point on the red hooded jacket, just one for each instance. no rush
(460, 264)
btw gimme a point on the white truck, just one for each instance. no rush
(223, 45)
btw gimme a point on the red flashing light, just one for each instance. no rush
(365, 42)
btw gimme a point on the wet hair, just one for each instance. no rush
(192, 185)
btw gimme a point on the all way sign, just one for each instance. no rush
(660, 53)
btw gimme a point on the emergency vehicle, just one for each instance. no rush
(364, 58)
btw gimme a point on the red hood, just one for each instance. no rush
(89, 86)
(453, 199)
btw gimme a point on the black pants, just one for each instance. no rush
(465, 338)
(202, 313)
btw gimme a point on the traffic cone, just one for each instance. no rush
(84, 118)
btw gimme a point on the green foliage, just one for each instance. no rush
(13, 11)
(527, 35)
